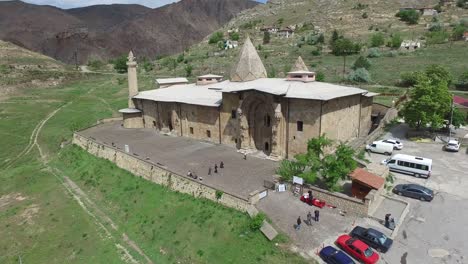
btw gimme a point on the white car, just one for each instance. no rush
(396, 144)
(452, 145)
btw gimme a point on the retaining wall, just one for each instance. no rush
(343, 202)
(161, 175)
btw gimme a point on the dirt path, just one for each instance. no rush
(121, 240)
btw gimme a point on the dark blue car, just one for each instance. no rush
(332, 255)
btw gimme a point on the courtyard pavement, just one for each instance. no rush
(179, 154)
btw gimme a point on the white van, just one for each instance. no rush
(416, 166)
(380, 147)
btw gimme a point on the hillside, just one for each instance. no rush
(314, 17)
(21, 68)
(107, 31)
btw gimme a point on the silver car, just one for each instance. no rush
(452, 145)
(396, 144)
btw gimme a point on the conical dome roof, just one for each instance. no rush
(299, 65)
(250, 66)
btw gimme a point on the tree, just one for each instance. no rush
(429, 103)
(438, 73)
(337, 166)
(395, 41)
(374, 53)
(216, 37)
(266, 37)
(120, 64)
(188, 70)
(345, 47)
(409, 16)
(360, 75)
(335, 36)
(361, 62)
(377, 40)
(458, 118)
(462, 83)
(321, 39)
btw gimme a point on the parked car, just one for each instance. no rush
(358, 249)
(396, 144)
(380, 147)
(373, 238)
(414, 191)
(452, 145)
(332, 255)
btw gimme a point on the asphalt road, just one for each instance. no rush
(437, 231)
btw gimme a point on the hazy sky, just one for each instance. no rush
(80, 3)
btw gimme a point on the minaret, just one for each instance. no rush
(132, 79)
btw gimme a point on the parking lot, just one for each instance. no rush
(437, 231)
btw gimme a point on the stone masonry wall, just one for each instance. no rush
(229, 125)
(340, 118)
(341, 201)
(198, 120)
(366, 112)
(307, 112)
(157, 174)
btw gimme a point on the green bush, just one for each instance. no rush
(395, 41)
(256, 222)
(320, 77)
(392, 53)
(361, 62)
(374, 53)
(360, 75)
(437, 37)
(377, 40)
(436, 26)
(316, 52)
(120, 64)
(234, 36)
(462, 3)
(365, 15)
(409, 16)
(148, 66)
(408, 79)
(219, 194)
(216, 37)
(96, 64)
(188, 70)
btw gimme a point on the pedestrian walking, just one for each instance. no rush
(221, 165)
(209, 171)
(245, 156)
(387, 220)
(216, 168)
(309, 218)
(298, 226)
(317, 215)
(310, 195)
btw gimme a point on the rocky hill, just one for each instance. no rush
(107, 31)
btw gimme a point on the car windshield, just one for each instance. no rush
(453, 144)
(382, 239)
(368, 252)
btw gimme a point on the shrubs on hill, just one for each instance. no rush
(360, 75)
(216, 37)
(266, 37)
(437, 37)
(409, 16)
(234, 36)
(95, 64)
(361, 62)
(320, 77)
(377, 40)
(395, 41)
(374, 53)
(120, 64)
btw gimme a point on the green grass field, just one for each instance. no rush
(42, 223)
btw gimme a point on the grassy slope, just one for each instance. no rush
(168, 226)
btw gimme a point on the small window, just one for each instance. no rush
(191, 130)
(406, 164)
(208, 133)
(300, 126)
(400, 163)
(267, 121)
(374, 145)
(235, 140)
(391, 162)
(233, 114)
(154, 123)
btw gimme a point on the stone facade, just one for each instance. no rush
(248, 120)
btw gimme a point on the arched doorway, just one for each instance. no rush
(259, 115)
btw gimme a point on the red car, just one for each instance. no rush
(358, 249)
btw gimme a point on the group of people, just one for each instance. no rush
(309, 219)
(193, 175)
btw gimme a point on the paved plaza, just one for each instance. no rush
(178, 154)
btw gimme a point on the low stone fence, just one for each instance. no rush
(359, 143)
(343, 202)
(162, 175)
